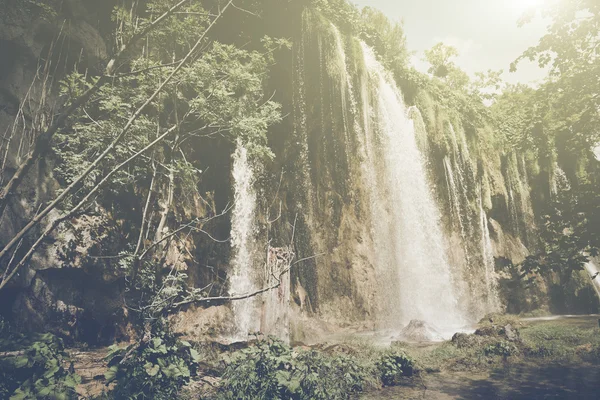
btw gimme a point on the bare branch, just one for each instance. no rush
(234, 298)
(79, 206)
(42, 142)
(105, 153)
(7, 354)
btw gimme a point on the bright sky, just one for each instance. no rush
(484, 31)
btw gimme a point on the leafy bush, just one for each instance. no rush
(501, 348)
(393, 365)
(325, 376)
(272, 370)
(156, 368)
(36, 367)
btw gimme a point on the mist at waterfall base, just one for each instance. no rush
(415, 280)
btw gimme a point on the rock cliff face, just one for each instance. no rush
(397, 210)
(39, 43)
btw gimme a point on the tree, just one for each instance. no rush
(141, 122)
(386, 37)
(440, 57)
(559, 121)
(571, 50)
(43, 140)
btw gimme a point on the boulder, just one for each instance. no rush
(420, 331)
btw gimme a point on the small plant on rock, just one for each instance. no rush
(394, 365)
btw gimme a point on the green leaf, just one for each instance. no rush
(19, 395)
(151, 369)
(194, 354)
(156, 342)
(72, 381)
(50, 372)
(21, 362)
(294, 385)
(111, 374)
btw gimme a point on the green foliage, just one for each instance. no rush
(570, 94)
(221, 93)
(557, 124)
(501, 348)
(394, 365)
(561, 342)
(341, 12)
(42, 8)
(40, 368)
(570, 50)
(569, 229)
(440, 58)
(218, 95)
(156, 367)
(386, 37)
(272, 370)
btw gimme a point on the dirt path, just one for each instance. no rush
(90, 365)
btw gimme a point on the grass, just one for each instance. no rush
(562, 343)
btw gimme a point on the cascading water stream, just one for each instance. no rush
(455, 199)
(243, 232)
(487, 253)
(426, 290)
(593, 270)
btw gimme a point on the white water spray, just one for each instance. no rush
(243, 232)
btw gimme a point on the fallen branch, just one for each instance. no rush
(8, 354)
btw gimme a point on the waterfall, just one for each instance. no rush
(243, 234)
(418, 262)
(455, 198)
(592, 269)
(560, 182)
(420, 129)
(519, 198)
(462, 166)
(487, 254)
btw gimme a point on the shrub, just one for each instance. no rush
(394, 365)
(272, 370)
(501, 348)
(152, 369)
(325, 376)
(39, 369)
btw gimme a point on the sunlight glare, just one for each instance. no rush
(525, 5)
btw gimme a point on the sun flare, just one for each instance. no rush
(524, 5)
